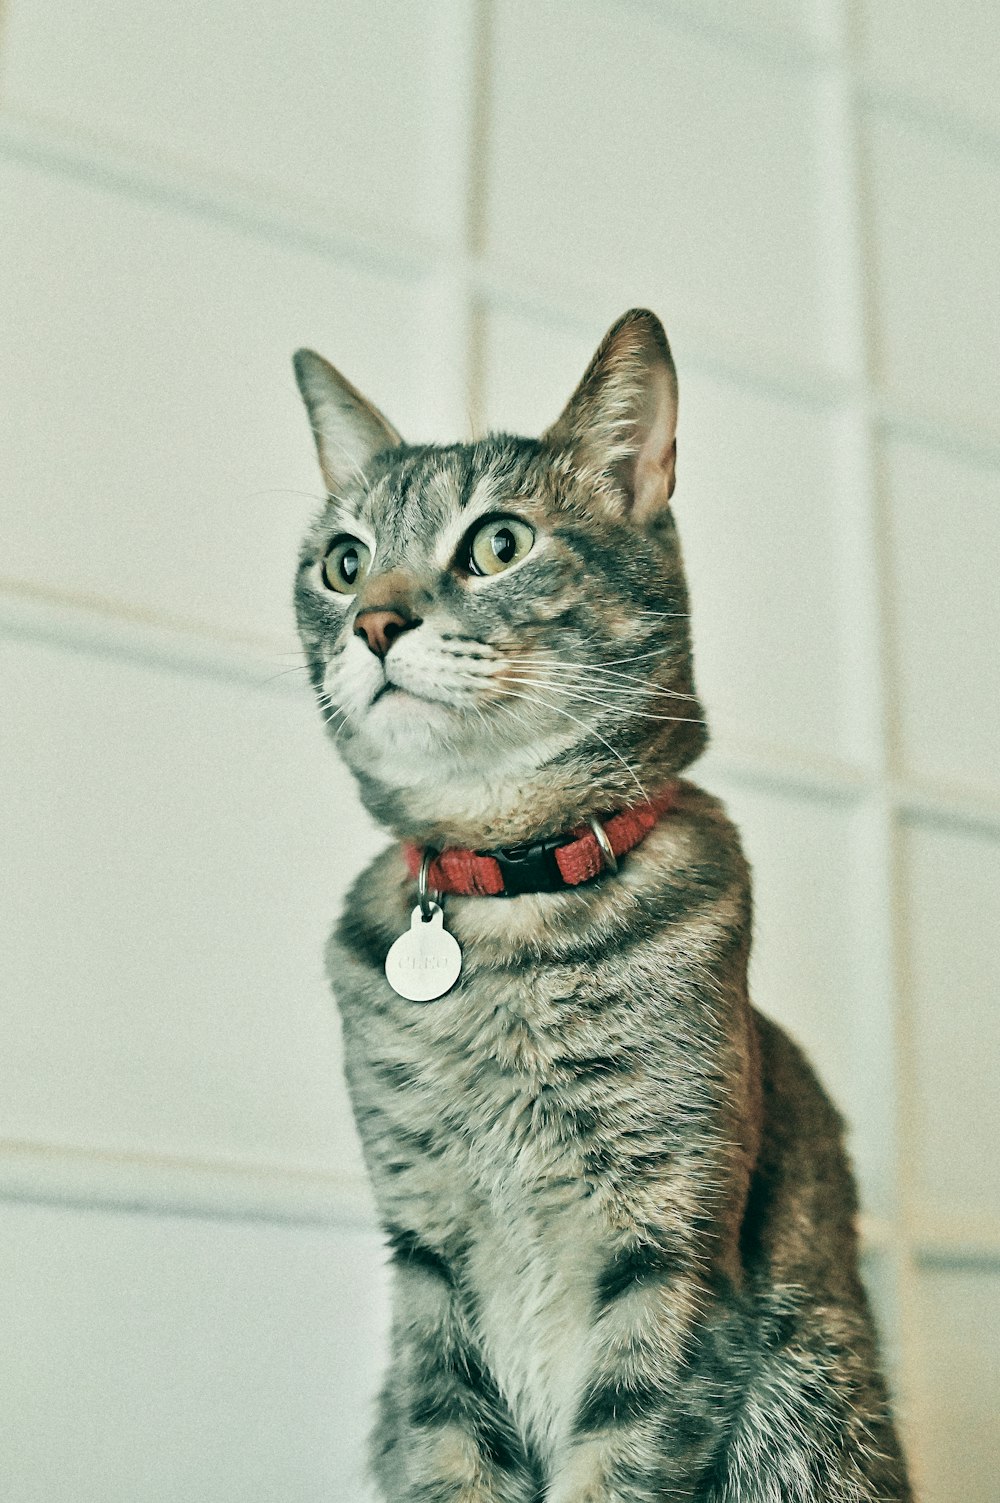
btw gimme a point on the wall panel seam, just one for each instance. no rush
(245, 206)
(61, 1174)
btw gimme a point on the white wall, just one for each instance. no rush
(451, 199)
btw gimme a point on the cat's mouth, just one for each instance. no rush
(394, 693)
(413, 684)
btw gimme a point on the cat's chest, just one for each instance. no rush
(477, 1091)
(499, 1181)
(485, 1121)
(470, 1118)
(493, 1061)
(533, 1268)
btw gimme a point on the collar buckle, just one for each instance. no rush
(531, 867)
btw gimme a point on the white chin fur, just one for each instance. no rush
(436, 722)
(406, 742)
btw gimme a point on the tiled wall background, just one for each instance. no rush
(452, 198)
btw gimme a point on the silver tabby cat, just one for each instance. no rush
(621, 1215)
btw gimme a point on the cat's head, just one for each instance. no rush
(497, 631)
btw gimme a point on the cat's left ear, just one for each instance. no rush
(622, 418)
(348, 429)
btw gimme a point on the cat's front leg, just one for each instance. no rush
(444, 1435)
(638, 1460)
(652, 1415)
(738, 1419)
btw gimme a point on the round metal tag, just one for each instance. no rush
(426, 961)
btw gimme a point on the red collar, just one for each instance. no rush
(546, 865)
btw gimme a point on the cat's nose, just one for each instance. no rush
(380, 628)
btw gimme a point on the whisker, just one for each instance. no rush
(280, 490)
(335, 711)
(579, 682)
(637, 657)
(606, 704)
(557, 709)
(586, 672)
(299, 668)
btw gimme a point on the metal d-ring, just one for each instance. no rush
(601, 835)
(428, 897)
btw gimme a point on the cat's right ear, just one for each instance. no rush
(349, 431)
(621, 422)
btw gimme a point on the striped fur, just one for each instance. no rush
(619, 1208)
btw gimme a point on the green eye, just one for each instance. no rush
(497, 544)
(346, 565)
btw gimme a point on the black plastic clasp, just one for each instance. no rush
(530, 868)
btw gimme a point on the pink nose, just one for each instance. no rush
(381, 628)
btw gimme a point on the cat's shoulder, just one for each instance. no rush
(699, 835)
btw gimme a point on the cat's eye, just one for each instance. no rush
(346, 564)
(496, 544)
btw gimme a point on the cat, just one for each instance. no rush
(622, 1221)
